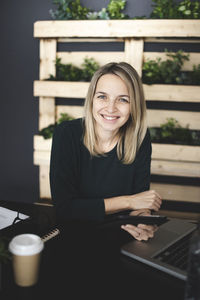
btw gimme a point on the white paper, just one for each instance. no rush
(7, 217)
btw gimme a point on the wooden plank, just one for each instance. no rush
(176, 152)
(194, 59)
(47, 67)
(47, 58)
(41, 144)
(172, 92)
(77, 57)
(156, 117)
(90, 40)
(44, 185)
(117, 28)
(46, 111)
(174, 40)
(173, 168)
(155, 92)
(175, 192)
(41, 158)
(133, 49)
(72, 110)
(64, 89)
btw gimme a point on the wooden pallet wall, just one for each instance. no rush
(167, 160)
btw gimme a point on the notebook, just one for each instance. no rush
(167, 251)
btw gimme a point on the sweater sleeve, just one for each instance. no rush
(143, 165)
(65, 176)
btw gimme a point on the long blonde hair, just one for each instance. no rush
(132, 133)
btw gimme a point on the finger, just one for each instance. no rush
(133, 230)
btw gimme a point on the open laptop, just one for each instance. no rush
(168, 251)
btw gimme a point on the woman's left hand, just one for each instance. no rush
(141, 232)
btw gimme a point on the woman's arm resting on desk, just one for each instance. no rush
(145, 200)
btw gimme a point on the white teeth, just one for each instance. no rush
(109, 118)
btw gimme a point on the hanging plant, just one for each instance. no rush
(169, 9)
(171, 132)
(170, 71)
(73, 10)
(69, 72)
(47, 132)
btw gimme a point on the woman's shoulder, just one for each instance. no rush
(75, 125)
(70, 129)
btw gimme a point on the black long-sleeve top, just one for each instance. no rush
(79, 183)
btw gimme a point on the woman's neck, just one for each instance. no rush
(107, 141)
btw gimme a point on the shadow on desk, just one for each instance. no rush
(85, 263)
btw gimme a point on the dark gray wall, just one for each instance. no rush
(18, 108)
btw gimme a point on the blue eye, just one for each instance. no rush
(103, 97)
(123, 100)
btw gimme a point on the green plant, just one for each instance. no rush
(73, 10)
(115, 8)
(189, 9)
(69, 72)
(47, 132)
(89, 67)
(168, 71)
(169, 9)
(69, 10)
(171, 132)
(66, 72)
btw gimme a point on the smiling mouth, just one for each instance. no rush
(110, 118)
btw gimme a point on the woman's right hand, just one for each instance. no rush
(145, 200)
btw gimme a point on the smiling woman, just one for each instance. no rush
(100, 164)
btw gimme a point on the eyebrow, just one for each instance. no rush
(118, 95)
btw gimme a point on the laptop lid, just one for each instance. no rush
(168, 234)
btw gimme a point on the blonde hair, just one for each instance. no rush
(132, 133)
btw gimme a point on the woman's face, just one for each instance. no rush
(111, 104)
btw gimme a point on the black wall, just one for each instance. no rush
(19, 52)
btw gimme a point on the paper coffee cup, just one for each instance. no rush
(26, 251)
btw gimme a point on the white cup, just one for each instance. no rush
(26, 252)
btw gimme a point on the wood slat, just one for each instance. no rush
(73, 111)
(117, 28)
(172, 92)
(44, 185)
(171, 168)
(176, 152)
(63, 89)
(155, 92)
(46, 111)
(41, 144)
(133, 51)
(156, 117)
(41, 158)
(103, 57)
(47, 66)
(176, 192)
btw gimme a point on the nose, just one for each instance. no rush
(111, 106)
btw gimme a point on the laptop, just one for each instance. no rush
(168, 250)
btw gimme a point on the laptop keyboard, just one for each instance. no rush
(177, 254)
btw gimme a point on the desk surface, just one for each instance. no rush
(80, 263)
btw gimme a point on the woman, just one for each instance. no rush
(100, 164)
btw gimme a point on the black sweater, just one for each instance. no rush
(79, 183)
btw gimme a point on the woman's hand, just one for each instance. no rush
(145, 200)
(141, 232)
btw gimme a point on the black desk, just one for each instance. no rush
(70, 269)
